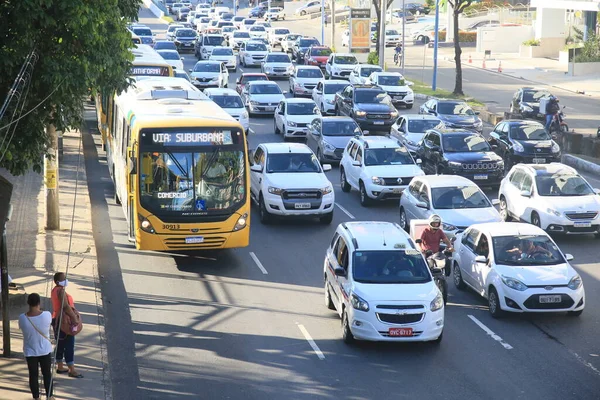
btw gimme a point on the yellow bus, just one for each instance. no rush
(180, 168)
(146, 62)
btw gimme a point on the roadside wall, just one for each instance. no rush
(503, 39)
(154, 9)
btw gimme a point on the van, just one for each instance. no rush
(206, 43)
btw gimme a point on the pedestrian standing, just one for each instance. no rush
(325, 21)
(37, 347)
(65, 351)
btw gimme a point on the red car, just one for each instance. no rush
(245, 78)
(317, 55)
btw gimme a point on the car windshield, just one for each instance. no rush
(391, 32)
(207, 67)
(250, 78)
(184, 10)
(387, 80)
(534, 96)
(278, 58)
(563, 185)
(265, 89)
(249, 21)
(464, 144)
(333, 88)
(526, 250)
(449, 198)
(185, 33)
(222, 51)
(388, 156)
(309, 73)
(370, 96)
(169, 55)
(172, 28)
(340, 128)
(291, 38)
(390, 266)
(320, 52)
(229, 29)
(256, 47)
(241, 35)
(214, 40)
(282, 31)
(257, 28)
(205, 20)
(529, 132)
(292, 162)
(422, 125)
(302, 109)
(142, 31)
(165, 46)
(308, 42)
(365, 72)
(228, 101)
(454, 109)
(345, 60)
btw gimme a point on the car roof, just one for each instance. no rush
(221, 92)
(450, 101)
(375, 87)
(343, 55)
(379, 142)
(437, 181)
(280, 148)
(549, 169)
(270, 83)
(207, 61)
(368, 66)
(333, 118)
(386, 73)
(453, 131)
(496, 229)
(377, 235)
(521, 121)
(253, 74)
(307, 67)
(167, 51)
(334, 81)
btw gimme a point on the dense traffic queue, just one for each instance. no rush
(383, 278)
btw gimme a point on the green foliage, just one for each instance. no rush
(373, 58)
(430, 4)
(81, 46)
(531, 42)
(590, 52)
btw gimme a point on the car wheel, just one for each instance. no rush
(564, 128)
(284, 130)
(494, 304)
(503, 210)
(265, 217)
(326, 219)
(535, 219)
(365, 201)
(277, 131)
(343, 182)
(347, 335)
(403, 220)
(457, 277)
(574, 313)
(302, 13)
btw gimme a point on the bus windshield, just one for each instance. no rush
(192, 173)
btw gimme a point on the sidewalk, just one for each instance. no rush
(35, 255)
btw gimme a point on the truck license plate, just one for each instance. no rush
(378, 123)
(194, 239)
(550, 299)
(301, 205)
(400, 332)
(481, 177)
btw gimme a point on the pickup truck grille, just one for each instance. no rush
(378, 116)
(299, 194)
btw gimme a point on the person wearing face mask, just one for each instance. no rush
(65, 352)
(432, 235)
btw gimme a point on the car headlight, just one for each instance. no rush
(268, 69)
(518, 147)
(292, 123)
(359, 303)
(275, 190)
(437, 303)
(330, 101)
(254, 103)
(327, 190)
(514, 283)
(454, 164)
(448, 227)
(360, 113)
(245, 115)
(241, 222)
(500, 164)
(553, 212)
(555, 147)
(216, 78)
(377, 180)
(328, 146)
(526, 108)
(394, 114)
(478, 123)
(575, 282)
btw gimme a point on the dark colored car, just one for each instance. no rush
(185, 39)
(248, 77)
(370, 106)
(301, 47)
(526, 101)
(257, 12)
(317, 55)
(519, 141)
(165, 45)
(417, 8)
(455, 114)
(169, 4)
(328, 136)
(460, 152)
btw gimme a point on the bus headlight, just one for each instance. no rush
(145, 225)
(241, 222)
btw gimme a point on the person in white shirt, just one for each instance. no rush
(37, 347)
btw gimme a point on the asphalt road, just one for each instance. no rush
(235, 324)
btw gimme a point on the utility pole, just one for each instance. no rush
(403, 33)
(51, 181)
(6, 189)
(435, 44)
(382, 12)
(333, 24)
(323, 16)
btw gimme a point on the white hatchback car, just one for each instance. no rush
(262, 97)
(304, 79)
(324, 94)
(410, 129)
(396, 87)
(361, 73)
(378, 167)
(288, 42)
(340, 65)
(276, 65)
(258, 32)
(277, 35)
(518, 268)
(275, 14)
(292, 117)
(380, 285)
(207, 74)
(288, 180)
(552, 196)
(252, 53)
(224, 55)
(230, 101)
(172, 57)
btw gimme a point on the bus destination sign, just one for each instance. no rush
(215, 138)
(149, 71)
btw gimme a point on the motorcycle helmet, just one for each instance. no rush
(435, 222)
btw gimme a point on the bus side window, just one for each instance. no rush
(124, 137)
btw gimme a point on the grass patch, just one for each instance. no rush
(424, 88)
(167, 19)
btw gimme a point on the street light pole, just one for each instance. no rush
(435, 44)
(323, 22)
(382, 33)
(403, 33)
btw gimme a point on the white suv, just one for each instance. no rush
(552, 196)
(276, 35)
(277, 64)
(380, 285)
(224, 55)
(252, 53)
(231, 102)
(288, 180)
(340, 65)
(360, 74)
(396, 87)
(209, 74)
(292, 117)
(304, 79)
(324, 94)
(378, 167)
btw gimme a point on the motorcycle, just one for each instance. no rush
(558, 122)
(440, 265)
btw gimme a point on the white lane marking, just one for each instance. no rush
(585, 363)
(310, 341)
(345, 211)
(241, 70)
(491, 333)
(251, 131)
(258, 263)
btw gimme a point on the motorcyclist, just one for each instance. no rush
(398, 54)
(551, 109)
(432, 235)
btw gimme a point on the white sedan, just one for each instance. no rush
(361, 73)
(292, 117)
(224, 55)
(172, 57)
(518, 268)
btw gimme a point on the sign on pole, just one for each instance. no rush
(360, 30)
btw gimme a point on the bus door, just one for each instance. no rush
(132, 173)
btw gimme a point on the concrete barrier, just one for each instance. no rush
(580, 164)
(154, 9)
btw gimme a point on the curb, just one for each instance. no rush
(580, 164)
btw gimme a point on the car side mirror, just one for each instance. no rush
(477, 112)
(597, 191)
(339, 271)
(423, 205)
(190, 70)
(356, 163)
(494, 147)
(280, 112)
(495, 202)
(419, 161)
(432, 112)
(569, 257)
(256, 168)
(182, 58)
(326, 167)
(409, 83)
(481, 259)
(525, 193)
(285, 92)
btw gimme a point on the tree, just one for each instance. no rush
(458, 6)
(80, 46)
(377, 5)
